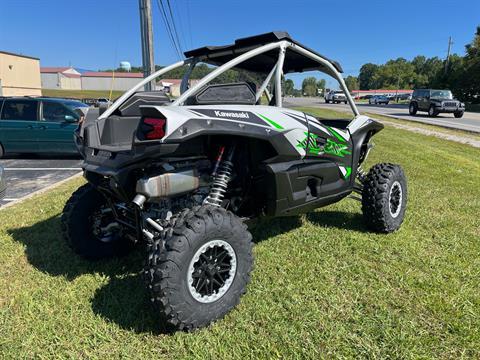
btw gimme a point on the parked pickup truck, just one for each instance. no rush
(336, 97)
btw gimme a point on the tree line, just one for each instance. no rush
(461, 74)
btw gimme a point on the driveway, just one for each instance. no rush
(469, 122)
(26, 175)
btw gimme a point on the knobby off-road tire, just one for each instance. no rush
(80, 218)
(177, 258)
(384, 197)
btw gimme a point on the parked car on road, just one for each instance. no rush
(336, 97)
(3, 183)
(38, 125)
(435, 102)
(104, 102)
(379, 99)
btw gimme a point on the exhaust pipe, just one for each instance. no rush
(167, 185)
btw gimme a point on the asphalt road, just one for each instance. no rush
(470, 121)
(26, 174)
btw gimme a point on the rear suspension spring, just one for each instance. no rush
(222, 175)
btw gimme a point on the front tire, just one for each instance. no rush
(199, 267)
(412, 109)
(87, 226)
(457, 114)
(432, 112)
(384, 197)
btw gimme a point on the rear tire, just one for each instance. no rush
(184, 272)
(412, 109)
(384, 197)
(81, 220)
(457, 114)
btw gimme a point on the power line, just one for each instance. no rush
(168, 28)
(189, 21)
(174, 26)
(178, 11)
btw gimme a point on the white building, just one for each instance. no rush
(61, 78)
(103, 80)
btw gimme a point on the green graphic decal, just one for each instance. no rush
(316, 147)
(271, 122)
(312, 147)
(337, 135)
(333, 148)
(347, 174)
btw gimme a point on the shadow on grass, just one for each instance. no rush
(266, 228)
(124, 300)
(47, 251)
(339, 220)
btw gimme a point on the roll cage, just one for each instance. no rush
(274, 54)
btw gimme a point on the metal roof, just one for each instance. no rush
(294, 61)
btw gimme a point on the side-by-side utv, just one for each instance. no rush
(185, 177)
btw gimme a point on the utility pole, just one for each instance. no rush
(147, 41)
(450, 43)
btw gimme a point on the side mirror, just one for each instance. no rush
(70, 119)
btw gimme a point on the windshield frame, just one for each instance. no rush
(448, 95)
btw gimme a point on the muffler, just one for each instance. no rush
(167, 185)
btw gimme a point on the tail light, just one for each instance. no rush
(153, 128)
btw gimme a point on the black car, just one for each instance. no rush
(435, 102)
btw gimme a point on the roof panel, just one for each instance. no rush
(294, 62)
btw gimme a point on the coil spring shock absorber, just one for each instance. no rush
(222, 174)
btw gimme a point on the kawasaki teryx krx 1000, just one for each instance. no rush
(185, 177)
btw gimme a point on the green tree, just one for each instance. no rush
(309, 86)
(398, 73)
(469, 80)
(366, 76)
(288, 87)
(351, 82)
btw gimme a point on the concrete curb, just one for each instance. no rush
(40, 191)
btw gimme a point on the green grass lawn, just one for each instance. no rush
(323, 285)
(81, 94)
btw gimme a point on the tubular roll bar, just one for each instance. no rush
(278, 69)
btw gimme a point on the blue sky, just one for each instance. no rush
(96, 34)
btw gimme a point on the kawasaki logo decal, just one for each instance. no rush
(236, 115)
